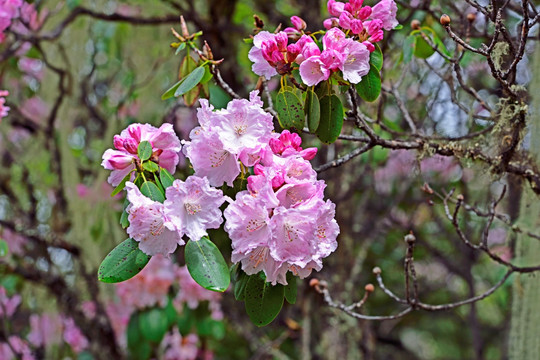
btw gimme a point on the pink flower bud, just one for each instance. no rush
(356, 5)
(118, 142)
(310, 49)
(135, 133)
(331, 59)
(376, 37)
(276, 146)
(308, 153)
(345, 20)
(364, 13)
(292, 52)
(369, 46)
(335, 8)
(277, 181)
(356, 26)
(130, 145)
(281, 40)
(298, 23)
(374, 26)
(258, 170)
(330, 23)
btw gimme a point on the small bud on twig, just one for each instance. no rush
(313, 282)
(259, 24)
(471, 17)
(183, 24)
(415, 24)
(369, 288)
(445, 20)
(410, 238)
(377, 270)
(460, 197)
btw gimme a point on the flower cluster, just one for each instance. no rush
(346, 45)
(281, 223)
(225, 137)
(3, 108)
(124, 159)
(189, 209)
(24, 12)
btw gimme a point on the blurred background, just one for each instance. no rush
(77, 77)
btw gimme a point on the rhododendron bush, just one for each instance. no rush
(278, 179)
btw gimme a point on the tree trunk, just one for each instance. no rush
(524, 339)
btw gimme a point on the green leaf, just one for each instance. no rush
(153, 324)
(124, 262)
(171, 313)
(150, 166)
(263, 301)
(122, 185)
(422, 49)
(166, 178)
(206, 265)
(240, 286)
(190, 81)
(312, 109)
(331, 119)
(370, 86)
(324, 88)
(408, 48)
(207, 75)
(4, 248)
(139, 348)
(180, 47)
(211, 327)
(124, 218)
(398, 27)
(144, 150)
(170, 93)
(376, 58)
(291, 288)
(290, 110)
(151, 190)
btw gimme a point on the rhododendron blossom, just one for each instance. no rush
(165, 150)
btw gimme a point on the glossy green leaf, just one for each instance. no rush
(263, 301)
(123, 262)
(166, 178)
(240, 286)
(4, 248)
(206, 265)
(122, 185)
(291, 288)
(153, 324)
(312, 109)
(124, 218)
(408, 48)
(190, 81)
(331, 119)
(150, 166)
(290, 110)
(324, 88)
(370, 86)
(144, 150)
(151, 190)
(170, 92)
(376, 58)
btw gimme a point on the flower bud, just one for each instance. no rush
(118, 142)
(293, 51)
(281, 40)
(365, 12)
(130, 145)
(330, 23)
(345, 20)
(369, 288)
(313, 282)
(357, 26)
(298, 23)
(377, 270)
(335, 8)
(415, 24)
(309, 153)
(471, 17)
(445, 20)
(369, 46)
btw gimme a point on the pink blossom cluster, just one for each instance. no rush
(8, 305)
(346, 45)
(17, 345)
(227, 138)
(123, 159)
(281, 223)
(3, 108)
(11, 10)
(190, 207)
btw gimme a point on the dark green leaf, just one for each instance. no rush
(206, 265)
(170, 93)
(207, 75)
(153, 324)
(324, 89)
(408, 48)
(150, 166)
(190, 81)
(123, 262)
(291, 288)
(422, 49)
(139, 348)
(263, 301)
(211, 327)
(124, 218)
(166, 178)
(151, 190)
(370, 86)
(376, 58)
(331, 119)
(240, 286)
(290, 110)
(312, 109)
(4, 248)
(121, 186)
(144, 150)
(171, 313)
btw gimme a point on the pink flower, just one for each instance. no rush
(260, 66)
(298, 23)
(8, 305)
(74, 337)
(386, 11)
(259, 259)
(15, 241)
(150, 225)
(35, 109)
(3, 108)
(356, 63)
(178, 347)
(46, 330)
(21, 348)
(313, 71)
(193, 206)
(335, 8)
(149, 287)
(165, 146)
